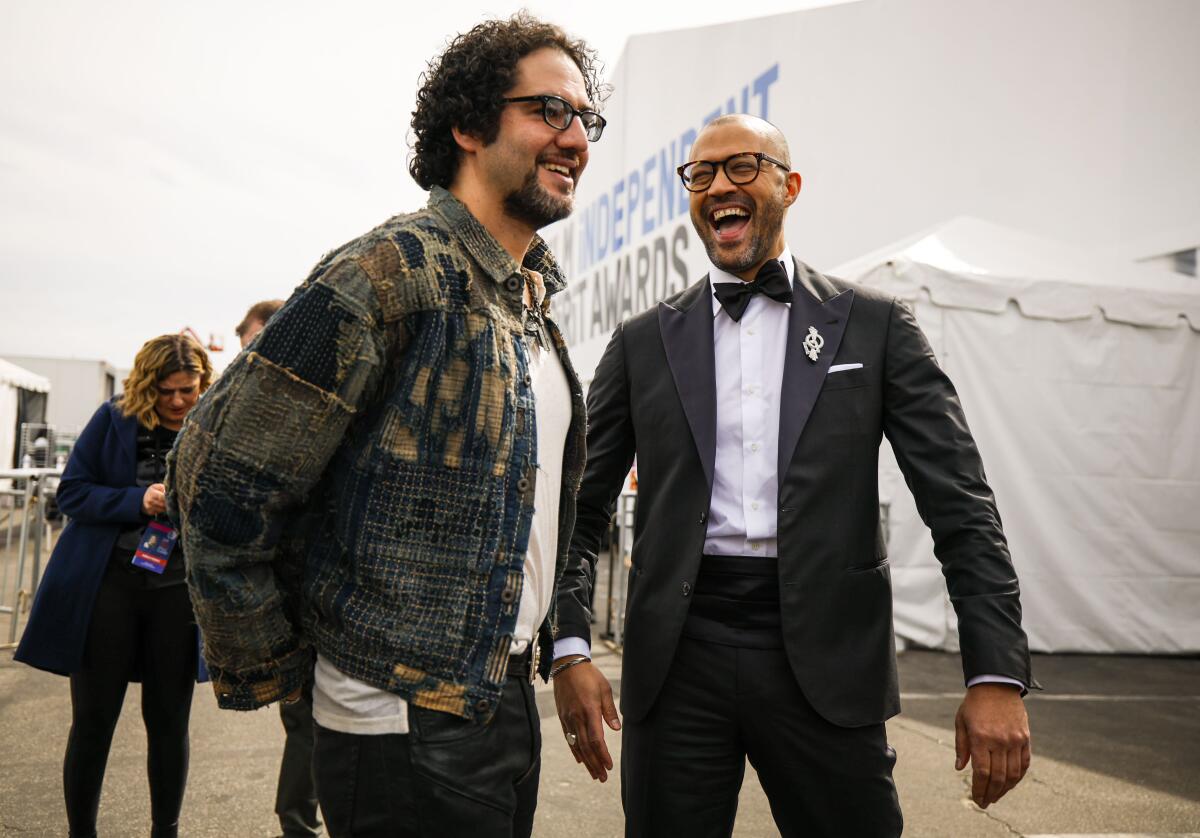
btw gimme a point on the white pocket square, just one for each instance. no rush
(844, 367)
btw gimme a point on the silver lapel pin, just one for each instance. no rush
(813, 343)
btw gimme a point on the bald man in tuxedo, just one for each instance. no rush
(759, 612)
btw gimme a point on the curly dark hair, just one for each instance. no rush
(462, 88)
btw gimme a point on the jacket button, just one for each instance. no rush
(528, 379)
(507, 595)
(513, 283)
(523, 485)
(483, 705)
(687, 588)
(703, 517)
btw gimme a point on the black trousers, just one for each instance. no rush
(134, 631)
(296, 793)
(447, 777)
(682, 765)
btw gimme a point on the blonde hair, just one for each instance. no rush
(158, 358)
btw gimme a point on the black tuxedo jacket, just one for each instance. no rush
(654, 394)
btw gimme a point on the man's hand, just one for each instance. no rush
(583, 696)
(991, 731)
(154, 502)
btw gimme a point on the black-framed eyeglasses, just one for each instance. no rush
(741, 169)
(558, 113)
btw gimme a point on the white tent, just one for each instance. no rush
(12, 380)
(1081, 381)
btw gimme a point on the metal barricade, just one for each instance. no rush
(37, 487)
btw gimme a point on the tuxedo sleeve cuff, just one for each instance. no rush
(572, 646)
(985, 679)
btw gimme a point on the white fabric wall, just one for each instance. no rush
(1090, 434)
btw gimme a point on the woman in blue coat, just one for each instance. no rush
(113, 606)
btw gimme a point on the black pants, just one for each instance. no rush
(296, 794)
(134, 630)
(446, 777)
(682, 765)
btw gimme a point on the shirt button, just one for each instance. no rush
(754, 505)
(754, 545)
(750, 330)
(754, 446)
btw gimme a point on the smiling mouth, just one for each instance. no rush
(728, 223)
(561, 171)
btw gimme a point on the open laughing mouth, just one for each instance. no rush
(729, 222)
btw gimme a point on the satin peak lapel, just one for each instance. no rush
(802, 378)
(687, 335)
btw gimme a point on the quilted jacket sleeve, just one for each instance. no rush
(245, 462)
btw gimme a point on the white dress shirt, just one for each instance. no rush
(743, 516)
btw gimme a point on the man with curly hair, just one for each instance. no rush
(387, 475)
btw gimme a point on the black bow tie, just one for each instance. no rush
(771, 280)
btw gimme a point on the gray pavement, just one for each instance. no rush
(1116, 751)
(1116, 742)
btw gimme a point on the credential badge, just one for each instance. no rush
(813, 343)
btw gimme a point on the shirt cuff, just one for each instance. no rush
(994, 679)
(572, 646)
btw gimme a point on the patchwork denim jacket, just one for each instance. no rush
(361, 478)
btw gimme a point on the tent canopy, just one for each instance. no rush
(14, 376)
(17, 385)
(1081, 382)
(971, 263)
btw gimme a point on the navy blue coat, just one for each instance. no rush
(99, 493)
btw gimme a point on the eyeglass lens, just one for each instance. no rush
(559, 114)
(740, 169)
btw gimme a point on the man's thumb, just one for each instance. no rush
(610, 712)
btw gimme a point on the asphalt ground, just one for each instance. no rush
(1116, 745)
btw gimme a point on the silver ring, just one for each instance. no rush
(572, 739)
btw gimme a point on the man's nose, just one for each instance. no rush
(721, 184)
(573, 136)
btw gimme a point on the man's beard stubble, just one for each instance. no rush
(766, 223)
(534, 205)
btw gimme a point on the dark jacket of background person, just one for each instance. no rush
(99, 493)
(377, 441)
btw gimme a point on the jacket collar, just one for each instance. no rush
(483, 247)
(686, 325)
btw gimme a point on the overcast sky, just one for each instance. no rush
(165, 164)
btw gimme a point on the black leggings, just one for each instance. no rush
(133, 630)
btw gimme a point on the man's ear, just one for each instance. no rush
(466, 142)
(793, 188)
